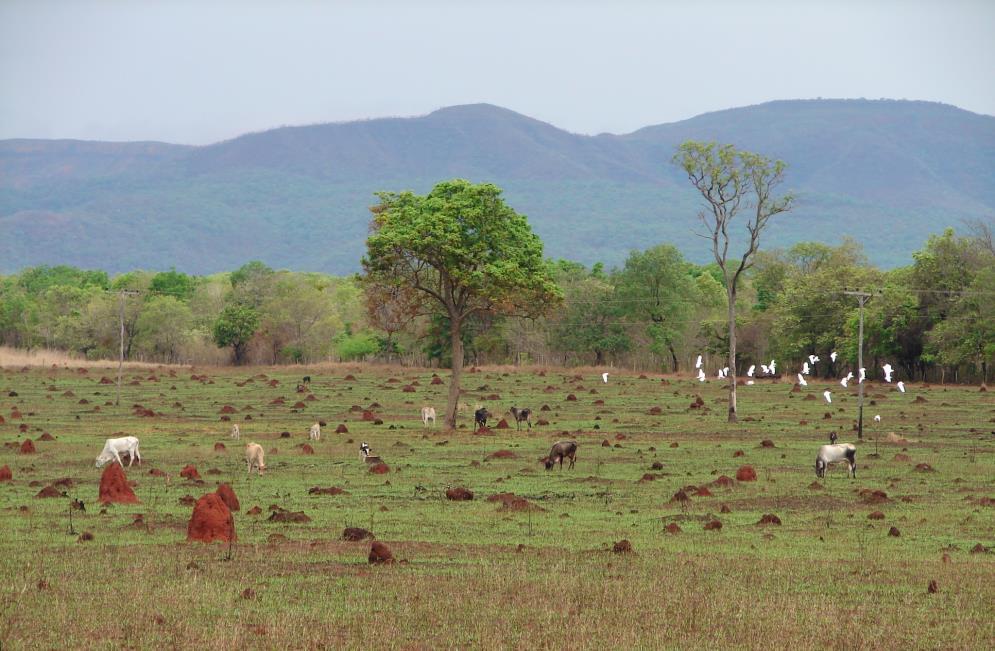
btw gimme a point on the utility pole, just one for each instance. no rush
(862, 297)
(120, 359)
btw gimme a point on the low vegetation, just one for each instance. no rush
(649, 542)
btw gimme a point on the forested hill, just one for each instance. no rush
(887, 173)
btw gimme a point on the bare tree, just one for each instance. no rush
(731, 180)
(981, 232)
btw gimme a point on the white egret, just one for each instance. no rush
(701, 375)
(772, 367)
(804, 368)
(901, 387)
(749, 373)
(862, 375)
(813, 358)
(698, 363)
(832, 356)
(749, 382)
(887, 372)
(604, 376)
(849, 376)
(764, 369)
(877, 418)
(801, 380)
(828, 396)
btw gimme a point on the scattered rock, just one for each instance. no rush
(672, 528)
(769, 518)
(932, 588)
(979, 549)
(380, 468)
(502, 454)
(219, 447)
(876, 515)
(28, 447)
(894, 532)
(342, 429)
(713, 525)
(725, 509)
(49, 491)
(924, 467)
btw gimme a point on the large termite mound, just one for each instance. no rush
(114, 487)
(228, 496)
(211, 520)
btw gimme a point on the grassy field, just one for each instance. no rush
(477, 575)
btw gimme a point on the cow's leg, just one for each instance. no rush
(118, 457)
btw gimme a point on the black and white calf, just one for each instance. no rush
(836, 453)
(521, 415)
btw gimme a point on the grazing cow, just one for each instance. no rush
(428, 414)
(315, 433)
(114, 448)
(521, 415)
(255, 458)
(480, 418)
(560, 450)
(836, 453)
(235, 432)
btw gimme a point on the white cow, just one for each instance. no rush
(836, 453)
(254, 458)
(315, 434)
(113, 448)
(428, 414)
(235, 433)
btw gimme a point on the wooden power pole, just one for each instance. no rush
(120, 359)
(862, 297)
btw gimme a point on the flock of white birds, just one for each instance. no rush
(807, 368)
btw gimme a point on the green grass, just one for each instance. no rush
(478, 576)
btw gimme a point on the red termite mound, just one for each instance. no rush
(114, 487)
(228, 496)
(5, 474)
(380, 553)
(211, 520)
(189, 472)
(27, 447)
(746, 473)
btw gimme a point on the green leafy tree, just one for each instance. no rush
(173, 283)
(591, 319)
(234, 327)
(462, 251)
(655, 288)
(729, 181)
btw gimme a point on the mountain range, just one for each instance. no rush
(885, 172)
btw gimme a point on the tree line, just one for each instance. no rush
(933, 319)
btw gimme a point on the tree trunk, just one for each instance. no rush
(673, 356)
(732, 353)
(456, 340)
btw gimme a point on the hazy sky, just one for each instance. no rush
(198, 72)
